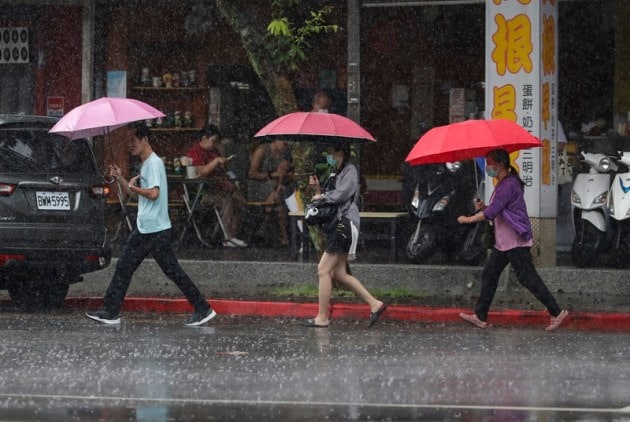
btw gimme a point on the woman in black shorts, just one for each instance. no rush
(341, 237)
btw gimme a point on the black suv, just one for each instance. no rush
(52, 212)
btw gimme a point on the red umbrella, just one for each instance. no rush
(314, 127)
(470, 139)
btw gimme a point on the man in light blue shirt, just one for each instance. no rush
(152, 236)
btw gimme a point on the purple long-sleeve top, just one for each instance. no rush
(508, 200)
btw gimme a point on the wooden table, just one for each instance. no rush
(390, 218)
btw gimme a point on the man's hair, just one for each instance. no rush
(140, 130)
(209, 130)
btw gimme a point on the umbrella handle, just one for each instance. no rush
(123, 208)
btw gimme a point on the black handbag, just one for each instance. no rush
(320, 213)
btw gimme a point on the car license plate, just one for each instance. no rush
(52, 200)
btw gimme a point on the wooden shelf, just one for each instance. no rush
(174, 129)
(161, 57)
(164, 89)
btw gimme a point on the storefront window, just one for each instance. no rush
(16, 89)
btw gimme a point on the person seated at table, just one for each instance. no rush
(223, 190)
(270, 180)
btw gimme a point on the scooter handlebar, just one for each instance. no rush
(623, 157)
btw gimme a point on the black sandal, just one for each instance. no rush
(374, 316)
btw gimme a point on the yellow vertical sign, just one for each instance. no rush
(521, 86)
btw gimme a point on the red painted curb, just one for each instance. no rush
(601, 321)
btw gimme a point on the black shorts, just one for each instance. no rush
(339, 237)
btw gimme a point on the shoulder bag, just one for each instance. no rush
(320, 213)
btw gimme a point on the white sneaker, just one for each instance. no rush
(104, 317)
(238, 242)
(229, 244)
(198, 319)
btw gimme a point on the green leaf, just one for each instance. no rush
(279, 27)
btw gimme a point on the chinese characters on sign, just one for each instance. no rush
(513, 47)
(521, 86)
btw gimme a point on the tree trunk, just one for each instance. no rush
(252, 33)
(277, 83)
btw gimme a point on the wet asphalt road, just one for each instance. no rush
(62, 366)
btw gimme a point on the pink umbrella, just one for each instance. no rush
(103, 115)
(314, 127)
(470, 139)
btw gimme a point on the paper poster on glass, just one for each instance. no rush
(117, 83)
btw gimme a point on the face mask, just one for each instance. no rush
(491, 171)
(330, 160)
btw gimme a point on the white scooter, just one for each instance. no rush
(590, 213)
(619, 211)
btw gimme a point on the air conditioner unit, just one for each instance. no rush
(14, 45)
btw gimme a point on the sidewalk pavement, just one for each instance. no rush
(597, 298)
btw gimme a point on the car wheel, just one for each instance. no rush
(33, 294)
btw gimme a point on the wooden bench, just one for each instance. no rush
(382, 193)
(389, 201)
(390, 218)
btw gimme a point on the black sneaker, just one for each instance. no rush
(199, 318)
(104, 317)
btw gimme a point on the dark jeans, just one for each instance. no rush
(521, 260)
(137, 247)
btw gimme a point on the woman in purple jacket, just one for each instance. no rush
(512, 241)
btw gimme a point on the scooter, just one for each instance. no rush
(590, 213)
(619, 211)
(442, 193)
